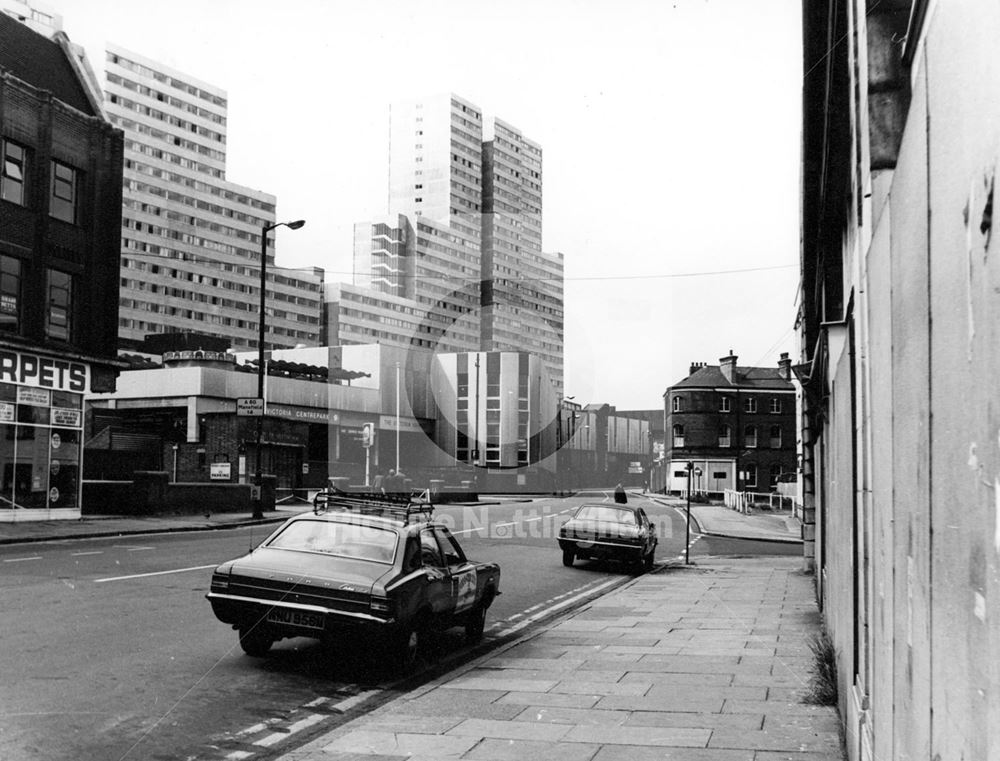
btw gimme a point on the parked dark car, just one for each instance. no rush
(359, 566)
(609, 531)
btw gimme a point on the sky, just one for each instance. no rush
(670, 133)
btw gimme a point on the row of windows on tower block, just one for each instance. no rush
(16, 171)
(725, 438)
(726, 404)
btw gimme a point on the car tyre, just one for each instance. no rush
(475, 625)
(407, 646)
(650, 559)
(255, 641)
(568, 557)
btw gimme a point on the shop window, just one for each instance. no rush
(63, 198)
(58, 320)
(14, 173)
(10, 293)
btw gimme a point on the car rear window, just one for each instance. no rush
(606, 513)
(348, 540)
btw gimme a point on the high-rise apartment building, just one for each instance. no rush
(522, 297)
(465, 236)
(435, 161)
(191, 240)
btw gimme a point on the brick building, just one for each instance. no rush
(60, 222)
(737, 425)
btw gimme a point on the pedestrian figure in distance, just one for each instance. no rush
(388, 484)
(620, 497)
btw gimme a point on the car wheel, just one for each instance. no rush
(475, 624)
(407, 646)
(256, 641)
(568, 557)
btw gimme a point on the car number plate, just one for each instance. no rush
(295, 618)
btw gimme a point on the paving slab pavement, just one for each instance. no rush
(609, 682)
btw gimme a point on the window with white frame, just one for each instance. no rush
(58, 318)
(775, 405)
(750, 404)
(63, 199)
(677, 404)
(750, 437)
(678, 435)
(725, 436)
(775, 437)
(13, 172)
(750, 472)
(725, 404)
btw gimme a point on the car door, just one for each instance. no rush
(439, 591)
(646, 531)
(463, 573)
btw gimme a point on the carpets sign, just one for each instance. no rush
(27, 369)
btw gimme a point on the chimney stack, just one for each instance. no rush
(695, 367)
(785, 366)
(728, 367)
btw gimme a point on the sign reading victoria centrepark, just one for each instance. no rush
(27, 369)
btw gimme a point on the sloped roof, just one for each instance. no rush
(41, 62)
(711, 376)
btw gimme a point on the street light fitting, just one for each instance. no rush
(290, 225)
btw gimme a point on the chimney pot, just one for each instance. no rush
(728, 367)
(785, 366)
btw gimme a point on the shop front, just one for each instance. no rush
(41, 428)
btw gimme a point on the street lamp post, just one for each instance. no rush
(687, 522)
(258, 511)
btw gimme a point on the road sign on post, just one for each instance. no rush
(252, 406)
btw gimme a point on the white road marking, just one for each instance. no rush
(155, 573)
(238, 755)
(139, 549)
(275, 738)
(590, 589)
(347, 704)
(91, 552)
(21, 560)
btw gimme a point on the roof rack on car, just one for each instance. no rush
(403, 507)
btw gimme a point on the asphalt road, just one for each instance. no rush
(111, 651)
